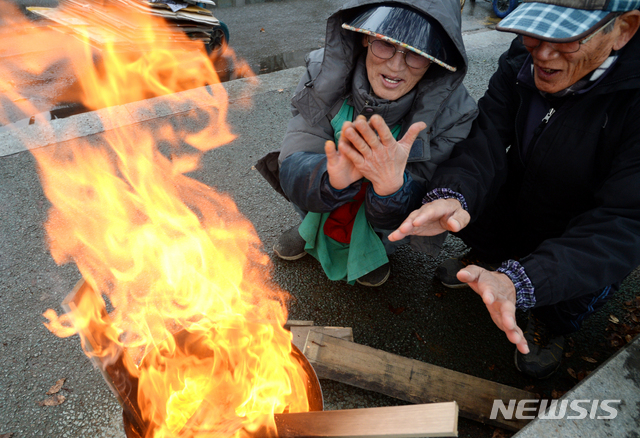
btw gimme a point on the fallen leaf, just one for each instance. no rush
(6, 435)
(581, 374)
(281, 90)
(439, 294)
(262, 29)
(396, 310)
(568, 354)
(572, 373)
(557, 394)
(55, 388)
(529, 388)
(613, 319)
(634, 318)
(628, 338)
(52, 401)
(491, 367)
(589, 359)
(498, 433)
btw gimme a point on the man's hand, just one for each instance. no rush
(342, 172)
(432, 219)
(375, 152)
(499, 295)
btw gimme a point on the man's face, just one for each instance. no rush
(554, 71)
(391, 78)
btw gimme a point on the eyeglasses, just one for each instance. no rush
(572, 47)
(385, 50)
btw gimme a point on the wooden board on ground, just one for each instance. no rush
(425, 420)
(295, 322)
(300, 333)
(409, 379)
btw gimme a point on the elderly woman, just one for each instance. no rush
(377, 110)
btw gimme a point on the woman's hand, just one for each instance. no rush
(375, 154)
(341, 170)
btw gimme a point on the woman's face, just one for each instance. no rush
(391, 78)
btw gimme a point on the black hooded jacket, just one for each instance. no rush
(569, 210)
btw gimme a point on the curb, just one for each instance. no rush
(618, 378)
(43, 133)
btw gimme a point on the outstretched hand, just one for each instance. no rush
(376, 154)
(499, 295)
(432, 219)
(342, 172)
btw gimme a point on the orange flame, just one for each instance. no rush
(181, 267)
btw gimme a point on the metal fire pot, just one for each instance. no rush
(314, 391)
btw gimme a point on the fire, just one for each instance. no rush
(181, 267)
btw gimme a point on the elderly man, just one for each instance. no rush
(554, 201)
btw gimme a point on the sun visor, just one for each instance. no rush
(408, 29)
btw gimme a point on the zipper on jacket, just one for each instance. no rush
(538, 131)
(367, 111)
(546, 118)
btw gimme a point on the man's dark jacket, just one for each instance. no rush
(569, 210)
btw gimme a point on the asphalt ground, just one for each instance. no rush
(411, 315)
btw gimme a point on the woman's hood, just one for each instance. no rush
(331, 69)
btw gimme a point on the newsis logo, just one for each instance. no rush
(578, 409)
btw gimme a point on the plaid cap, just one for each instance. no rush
(562, 20)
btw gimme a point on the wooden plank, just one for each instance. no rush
(300, 333)
(425, 420)
(294, 323)
(409, 379)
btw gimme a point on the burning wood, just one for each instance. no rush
(169, 254)
(436, 419)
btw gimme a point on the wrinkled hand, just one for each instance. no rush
(499, 295)
(432, 219)
(342, 172)
(376, 154)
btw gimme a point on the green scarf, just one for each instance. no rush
(365, 252)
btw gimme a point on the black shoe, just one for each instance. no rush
(290, 245)
(448, 269)
(545, 350)
(377, 277)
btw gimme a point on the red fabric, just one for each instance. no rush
(339, 224)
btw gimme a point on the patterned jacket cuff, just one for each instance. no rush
(444, 194)
(525, 297)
